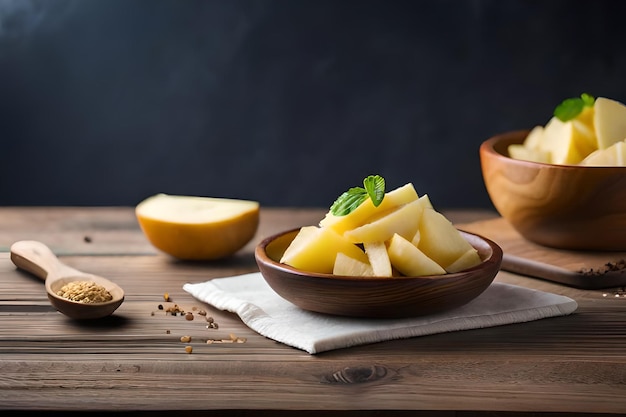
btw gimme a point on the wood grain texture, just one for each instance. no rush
(134, 361)
(582, 269)
(561, 206)
(376, 297)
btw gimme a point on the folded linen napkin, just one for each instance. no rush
(265, 312)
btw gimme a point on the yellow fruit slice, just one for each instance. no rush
(359, 216)
(378, 258)
(403, 220)
(534, 138)
(315, 249)
(517, 151)
(347, 266)
(440, 240)
(197, 228)
(411, 261)
(565, 143)
(609, 122)
(468, 260)
(614, 155)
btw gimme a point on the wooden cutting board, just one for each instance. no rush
(588, 270)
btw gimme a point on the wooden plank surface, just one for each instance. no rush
(590, 270)
(135, 361)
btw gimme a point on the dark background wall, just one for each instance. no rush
(288, 102)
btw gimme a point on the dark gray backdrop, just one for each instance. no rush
(288, 102)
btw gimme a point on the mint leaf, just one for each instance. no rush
(589, 100)
(348, 201)
(375, 187)
(572, 107)
(354, 197)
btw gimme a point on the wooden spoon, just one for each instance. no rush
(37, 258)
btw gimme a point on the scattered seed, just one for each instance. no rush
(188, 349)
(185, 339)
(175, 310)
(87, 239)
(167, 331)
(189, 316)
(202, 312)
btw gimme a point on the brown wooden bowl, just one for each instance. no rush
(376, 297)
(560, 206)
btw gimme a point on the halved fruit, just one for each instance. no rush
(197, 228)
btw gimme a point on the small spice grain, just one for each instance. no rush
(87, 292)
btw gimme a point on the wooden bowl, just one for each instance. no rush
(376, 297)
(560, 206)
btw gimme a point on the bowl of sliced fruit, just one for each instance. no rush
(563, 185)
(379, 255)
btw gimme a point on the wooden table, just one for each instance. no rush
(134, 361)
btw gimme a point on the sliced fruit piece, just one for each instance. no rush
(586, 117)
(609, 121)
(378, 258)
(534, 138)
(197, 228)
(614, 155)
(440, 240)
(416, 238)
(518, 151)
(565, 143)
(411, 261)
(468, 260)
(345, 265)
(315, 249)
(404, 220)
(425, 201)
(358, 217)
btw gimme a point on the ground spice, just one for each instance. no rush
(606, 268)
(85, 292)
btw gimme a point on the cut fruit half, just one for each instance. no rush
(197, 228)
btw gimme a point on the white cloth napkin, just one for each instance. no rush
(265, 312)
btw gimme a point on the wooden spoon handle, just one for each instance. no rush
(37, 258)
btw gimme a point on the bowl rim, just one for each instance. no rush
(261, 256)
(487, 147)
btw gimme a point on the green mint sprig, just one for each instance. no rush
(572, 107)
(373, 187)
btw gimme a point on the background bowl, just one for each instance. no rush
(376, 297)
(560, 206)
